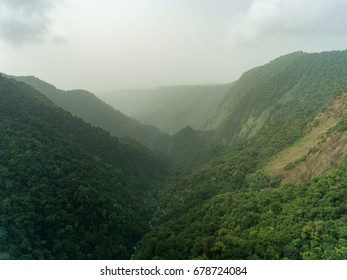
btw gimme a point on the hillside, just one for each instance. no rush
(171, 108)
(87, 106)
(292, 86)
(68, 190)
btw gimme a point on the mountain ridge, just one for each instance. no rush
(87, 106)
(294, 85)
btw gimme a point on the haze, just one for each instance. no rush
(111, 44)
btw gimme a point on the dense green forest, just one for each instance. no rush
(70, 189)
(257, 220)
(67, 190)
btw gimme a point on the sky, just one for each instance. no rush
(104, 45)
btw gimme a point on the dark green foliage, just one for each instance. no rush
(67, 190)
(342, 125)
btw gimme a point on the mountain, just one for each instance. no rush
(292, 86)
(68, 190)
(87, 106)
(171, 108)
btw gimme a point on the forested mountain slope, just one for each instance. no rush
(67, 190)
(87, 106)
(295, 85)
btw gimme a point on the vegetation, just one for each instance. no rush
(67, 190)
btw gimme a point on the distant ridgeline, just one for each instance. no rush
(172, 108)
(265, 178)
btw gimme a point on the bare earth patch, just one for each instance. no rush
(318, 151)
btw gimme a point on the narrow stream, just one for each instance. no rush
(150, 221)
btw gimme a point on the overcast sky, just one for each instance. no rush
(101, 45)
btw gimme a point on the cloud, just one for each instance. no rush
(266, 18)
(25, 21)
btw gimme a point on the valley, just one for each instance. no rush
(253, 169)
